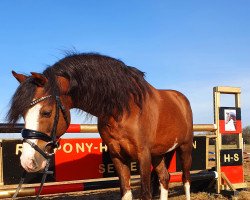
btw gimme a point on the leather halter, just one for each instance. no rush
(51, 140)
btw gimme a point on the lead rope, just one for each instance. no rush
(20, 184)
(45, 173)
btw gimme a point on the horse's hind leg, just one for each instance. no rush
(185, 151)
(123, 172)
(163, 175)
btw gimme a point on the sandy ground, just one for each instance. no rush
(176, 193)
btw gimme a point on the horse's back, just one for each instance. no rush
(164, 122)
(175, 123)
(175, 101)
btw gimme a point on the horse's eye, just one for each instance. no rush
(46, 113)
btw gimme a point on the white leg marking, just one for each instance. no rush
(164, 193)
(187, 190)
(128, 195)
(28, 160)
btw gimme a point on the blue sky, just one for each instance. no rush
(190, 46)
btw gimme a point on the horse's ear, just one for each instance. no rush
(40, 80)
(63, 84)
(20, 77)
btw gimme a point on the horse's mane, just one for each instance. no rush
(99, 84)
(20, 101)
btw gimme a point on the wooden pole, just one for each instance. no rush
(218, 91)
(216, 96)
(92, 128)
(1, 164)
(204, 127)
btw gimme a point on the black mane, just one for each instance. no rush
(20, 101)
(99, 85)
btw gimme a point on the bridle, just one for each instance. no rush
(52, 141)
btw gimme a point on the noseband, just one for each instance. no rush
(51, 140)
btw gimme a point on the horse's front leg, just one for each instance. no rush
(123, 172)
(144, 159)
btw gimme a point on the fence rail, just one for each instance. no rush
(92, 128)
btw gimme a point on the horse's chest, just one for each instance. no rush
(120, 147)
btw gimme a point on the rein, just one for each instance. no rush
(52, 142)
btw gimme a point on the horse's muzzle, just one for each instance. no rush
(49, 147)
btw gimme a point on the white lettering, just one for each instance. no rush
(236, 157)
(195, 144)
(101, 168)
(69, 149)
(133, 166)
(79, 147)
(111, 168)
(227, 158)
(19, 148)
(89, 146)
(103, 148)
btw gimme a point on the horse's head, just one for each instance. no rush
(46, 118)
(230, 116)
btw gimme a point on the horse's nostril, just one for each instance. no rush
(32, 164)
